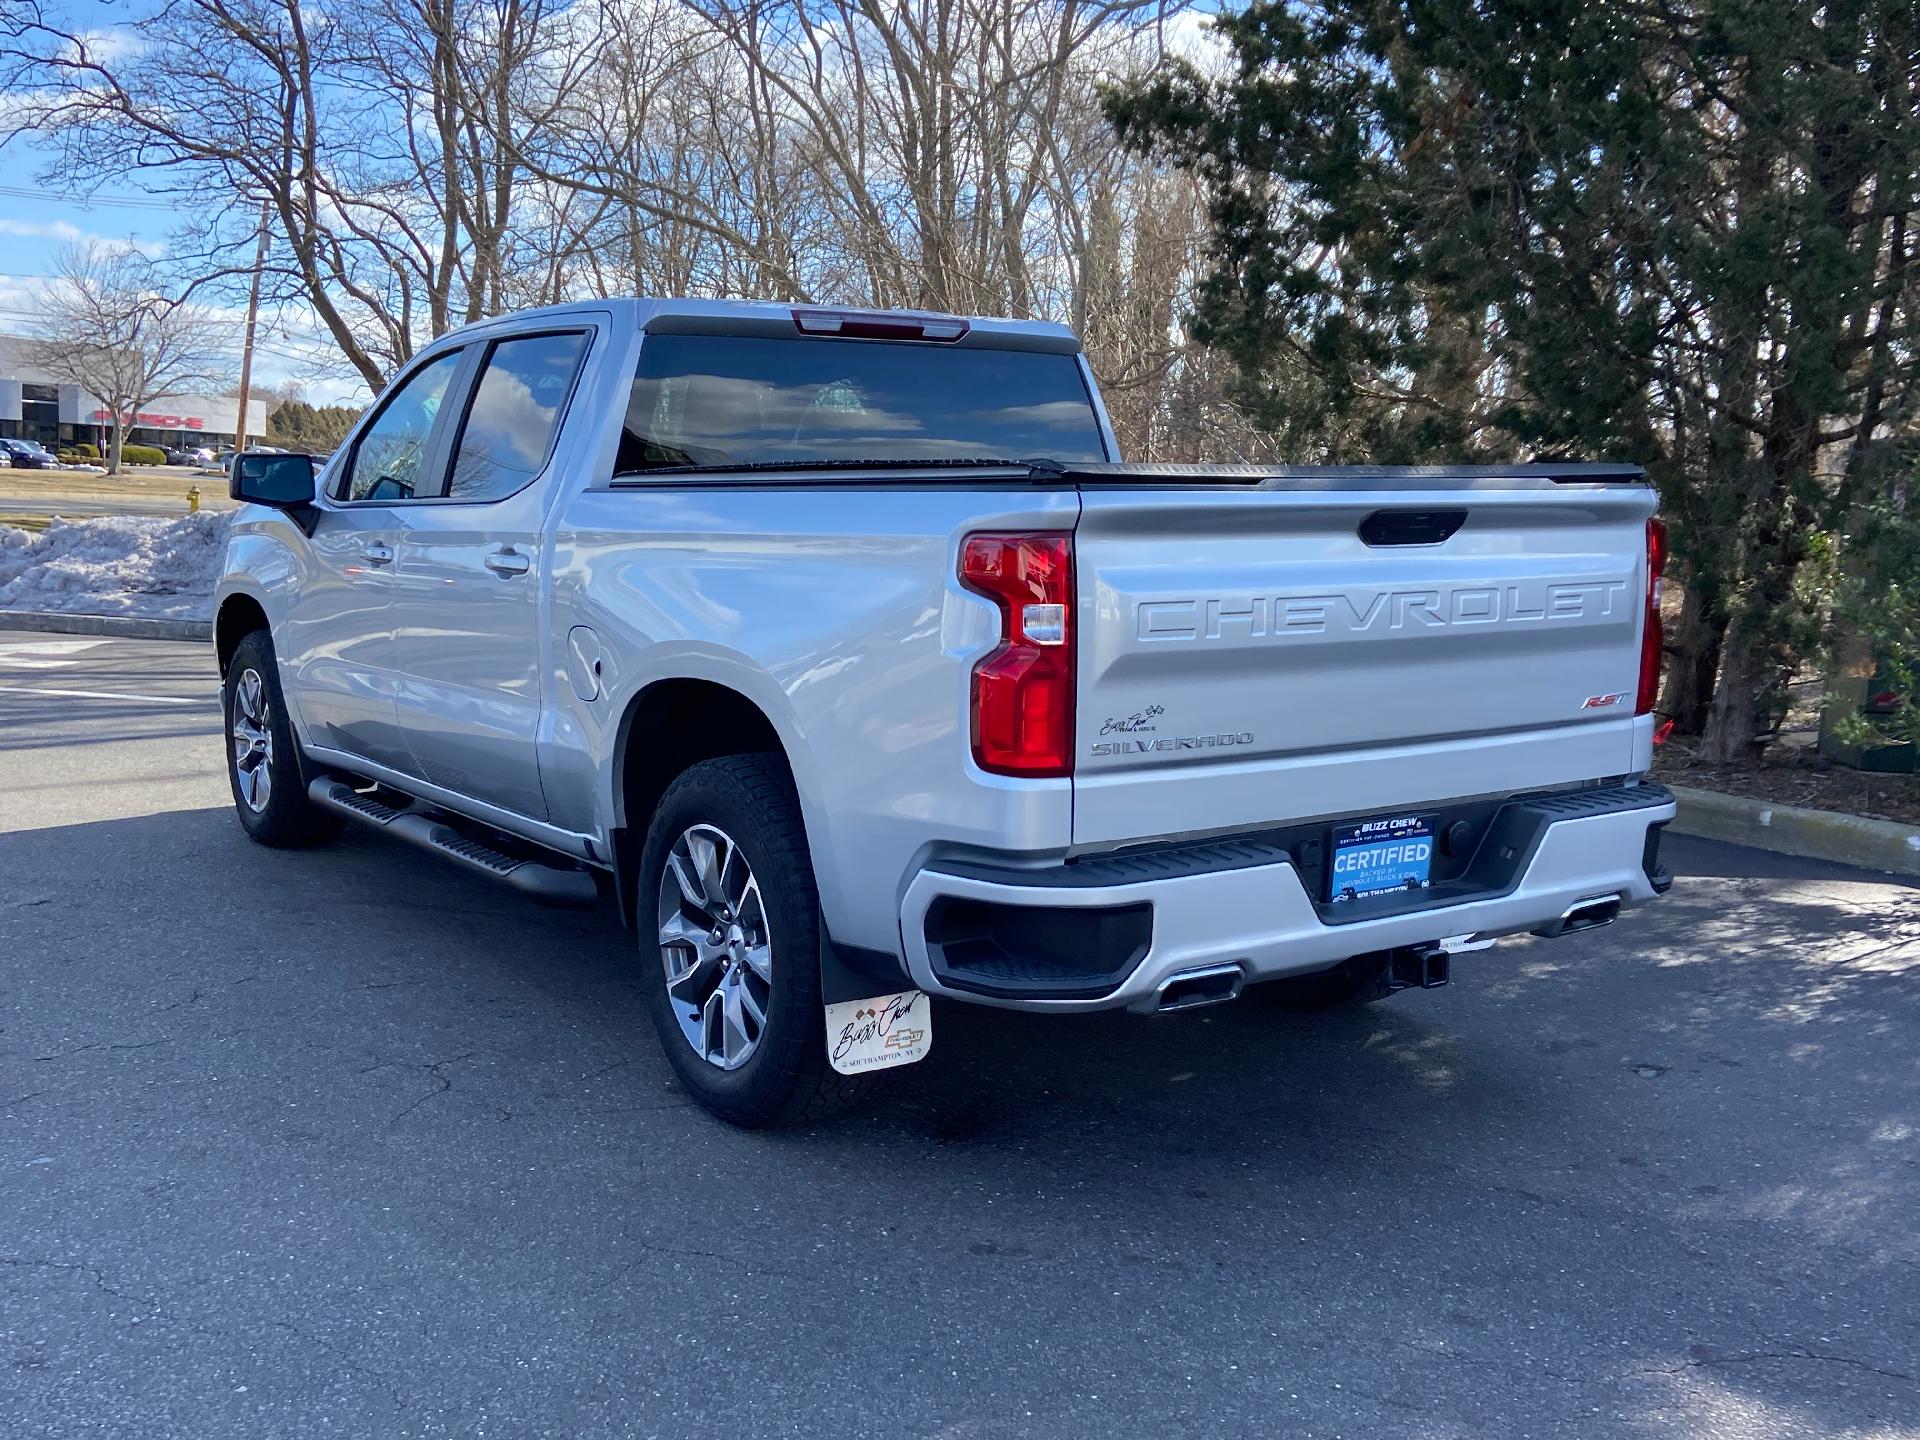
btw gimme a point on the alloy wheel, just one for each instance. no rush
(715, 947)
(252, 741)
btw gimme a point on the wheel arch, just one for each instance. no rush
(669, 725)
(238, 616)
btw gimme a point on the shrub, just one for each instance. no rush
(85, 449)
(131, 454)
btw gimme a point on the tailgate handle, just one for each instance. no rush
(1411, 527)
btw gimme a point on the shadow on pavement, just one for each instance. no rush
(1643, 1179)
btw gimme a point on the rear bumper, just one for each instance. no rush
(1107, 935)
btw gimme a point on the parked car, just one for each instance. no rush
(176, 455)
(6, 459)
(29, 455)
(840, 649)
(226, 456)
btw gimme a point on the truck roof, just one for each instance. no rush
(769, 318)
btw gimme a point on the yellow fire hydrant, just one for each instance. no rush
(193, 500)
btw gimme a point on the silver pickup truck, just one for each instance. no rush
(839, 649)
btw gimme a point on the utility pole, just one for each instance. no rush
(246, 347)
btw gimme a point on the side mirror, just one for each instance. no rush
(283, 481)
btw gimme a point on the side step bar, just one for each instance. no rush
(548, 884)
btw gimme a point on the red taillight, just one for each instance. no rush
(1023, 691)
(1652, 634)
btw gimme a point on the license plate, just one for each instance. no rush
(1379, 856)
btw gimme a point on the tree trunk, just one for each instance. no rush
(1756, 648)
(1733, 719)
(116, 439)
(1697, 644)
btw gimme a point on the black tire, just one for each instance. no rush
(278, 813)
(1357, 981)
(785, 1079)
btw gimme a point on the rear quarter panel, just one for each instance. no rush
(835, 610)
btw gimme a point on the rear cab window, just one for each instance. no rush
(511, 421)
(727, 401)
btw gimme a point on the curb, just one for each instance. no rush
(1791, 830)
(122, 627)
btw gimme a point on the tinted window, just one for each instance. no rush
(515, 411)
(736, 400)
(386, 462)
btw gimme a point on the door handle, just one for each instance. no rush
(378, 554)
(507, 563)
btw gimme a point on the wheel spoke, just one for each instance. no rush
(254, 783)
(709, 860)
(750, 1003)
(692, 974)
(678, 929)
(759, 959)
(738, 1043)
(252, 702)
(713, 1025)
(689, 886)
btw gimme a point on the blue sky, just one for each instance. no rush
(37, 219)
(39, 216)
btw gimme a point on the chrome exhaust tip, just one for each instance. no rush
(1583, 915)
(1190, 989)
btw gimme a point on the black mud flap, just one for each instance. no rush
(848, 973)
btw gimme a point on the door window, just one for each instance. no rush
(514, 415)
(388, 457)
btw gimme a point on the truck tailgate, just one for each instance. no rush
(1257, 654)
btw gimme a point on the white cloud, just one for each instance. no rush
(1190, 35)
(112, 42)
(66, 231)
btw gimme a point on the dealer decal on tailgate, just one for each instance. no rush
(1379, 856)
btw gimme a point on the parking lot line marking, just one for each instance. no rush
(100, 695)
(43, 654)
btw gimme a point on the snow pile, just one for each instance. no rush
(116, 565)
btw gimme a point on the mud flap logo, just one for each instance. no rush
(879, 1033)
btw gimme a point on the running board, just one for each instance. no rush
(547, 884)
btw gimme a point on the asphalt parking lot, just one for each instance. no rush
(348, 1143)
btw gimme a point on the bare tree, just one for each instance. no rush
(377, 134)
(103, 327)
(425, 163)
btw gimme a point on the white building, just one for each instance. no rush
(34, 406)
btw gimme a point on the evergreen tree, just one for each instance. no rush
(1681, 233)
(295, 425)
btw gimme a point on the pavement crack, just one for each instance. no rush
(92, 1272)
(443, 1083)
(1704, 1358)
(76, 1050)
